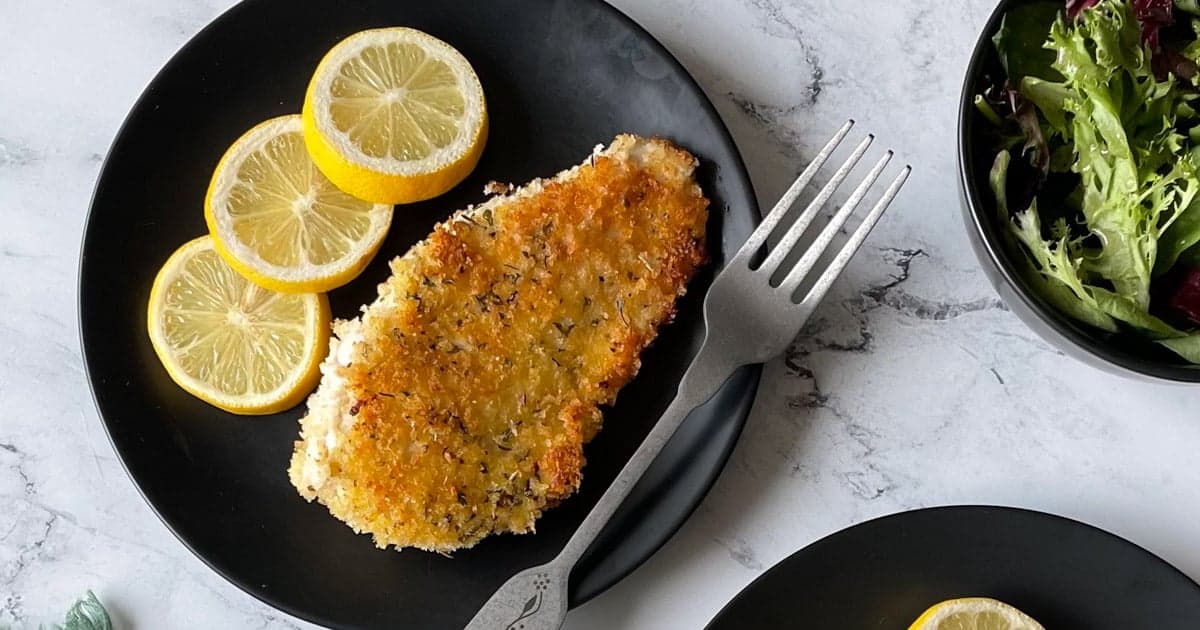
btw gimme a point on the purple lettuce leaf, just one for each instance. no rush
(1153, 15)
(1008, 103)
(1184, 297)
(1075, 7)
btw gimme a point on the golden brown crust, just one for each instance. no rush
(483, 364)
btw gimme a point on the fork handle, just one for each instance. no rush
(537, 598)
(707, 372)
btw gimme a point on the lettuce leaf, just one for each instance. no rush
(1181, 236)
(1075, 7)
(1050, 98)
(1152, 15)
(1047, 266)
(1186, 347)
(1019, 41)
(1191, 257)
(1123, 309)
(1190, 6)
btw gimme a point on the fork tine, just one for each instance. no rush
(821, 287)
(760, 234)
(792, 236)
(818, 247)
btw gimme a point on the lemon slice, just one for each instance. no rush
(278, 221)
(974, 613)
(395, 115)
(232, 343)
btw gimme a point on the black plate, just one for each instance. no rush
(560, 77)
(884, 573)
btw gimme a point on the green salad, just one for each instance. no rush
(1097, 175)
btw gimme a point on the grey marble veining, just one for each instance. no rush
(912, 386)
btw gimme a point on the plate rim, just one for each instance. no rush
(962, 508)
(754, 372)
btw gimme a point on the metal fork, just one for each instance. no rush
(748, 320)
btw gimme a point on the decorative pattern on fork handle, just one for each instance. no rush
(534, 604)
(748, 319)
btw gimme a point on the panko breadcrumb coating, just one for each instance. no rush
(458, 404)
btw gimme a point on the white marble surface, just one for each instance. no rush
(917, 387)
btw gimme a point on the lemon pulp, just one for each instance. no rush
(395, 116)
(230, 342)
(277, 220)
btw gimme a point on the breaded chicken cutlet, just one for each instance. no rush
(458, 404)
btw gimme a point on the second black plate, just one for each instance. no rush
(884, 573)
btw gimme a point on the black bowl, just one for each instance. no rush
(1125, 354)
